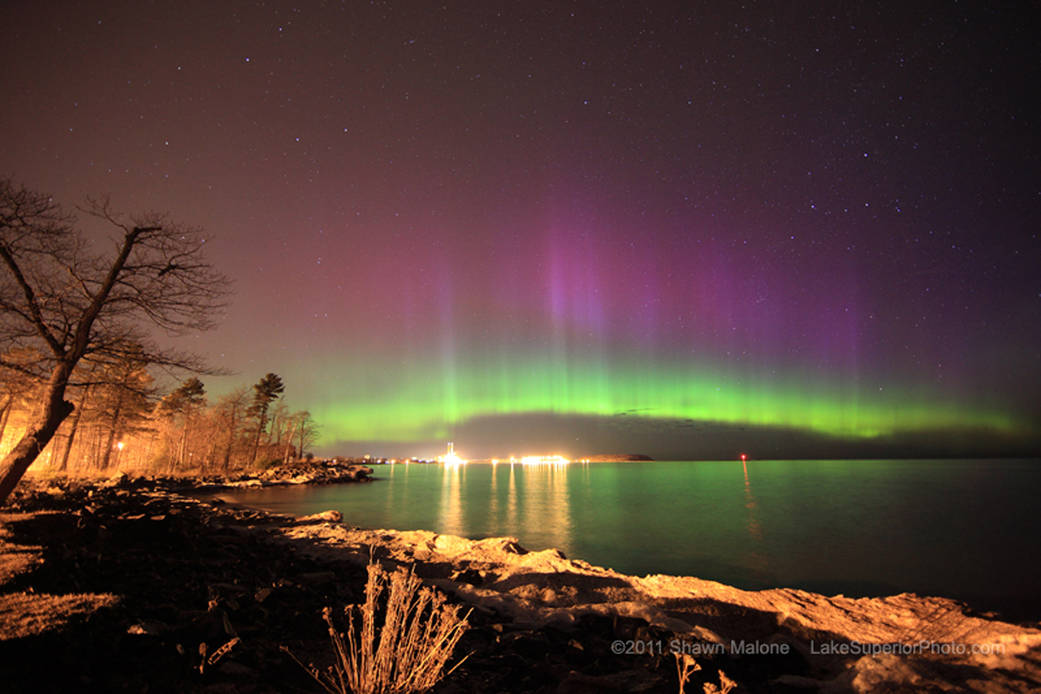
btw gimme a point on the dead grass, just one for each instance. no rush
(398, 641)
(27, 614)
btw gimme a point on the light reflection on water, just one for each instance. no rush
(963, 528)
(536, 499)
(755, 559)
(451, 518)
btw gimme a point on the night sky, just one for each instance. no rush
(795, 228)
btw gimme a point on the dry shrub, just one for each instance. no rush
(410, 648)
(725, 685)
(686, 665)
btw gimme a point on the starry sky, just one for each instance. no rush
(688, 228)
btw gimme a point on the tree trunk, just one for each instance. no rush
(261, 423)
(148, 449)
(76, 421)
(95, 447)
(211, 456)
(73, 427)
(182, 445)
(53, 411)
(288, 450)
(112, 425)
(231, 438)
(106, 457)
(4, 416)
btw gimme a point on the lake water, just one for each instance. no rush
(967, 529)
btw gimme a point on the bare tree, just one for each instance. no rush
(59, 296)
(73, 428)
(230, 412)
(305, 432)
(124, 402)
(184, 404)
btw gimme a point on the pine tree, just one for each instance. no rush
(264, 393)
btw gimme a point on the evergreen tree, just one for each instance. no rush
(264, 393)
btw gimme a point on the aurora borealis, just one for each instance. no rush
(819, 219)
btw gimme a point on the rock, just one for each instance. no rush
(116, 480)
(541, 622)
(330, 516)
(246, 483)
(625, 681)
(471, 576)
(316, 578)
(233, 669)
(147, 628)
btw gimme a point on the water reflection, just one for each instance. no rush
(803, 524)
(450, 518)
(755, 558)
(398, 491)
(548, 505)
(511, 501)
(493, 504)
(754, 529)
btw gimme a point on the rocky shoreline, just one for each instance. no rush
(306, 472)
(132, 585)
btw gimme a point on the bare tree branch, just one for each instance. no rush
(71, 305)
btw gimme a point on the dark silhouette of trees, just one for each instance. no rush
(264, 393)
(75, 306)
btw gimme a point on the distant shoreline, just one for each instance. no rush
(628, 458)
(750, 459)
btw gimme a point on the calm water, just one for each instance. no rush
(968, 529)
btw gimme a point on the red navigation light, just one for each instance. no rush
(743, 457)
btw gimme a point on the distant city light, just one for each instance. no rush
(450, 458)
(544, 460)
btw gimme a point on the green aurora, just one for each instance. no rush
(408, 400)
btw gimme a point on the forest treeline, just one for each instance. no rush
(123, 421)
